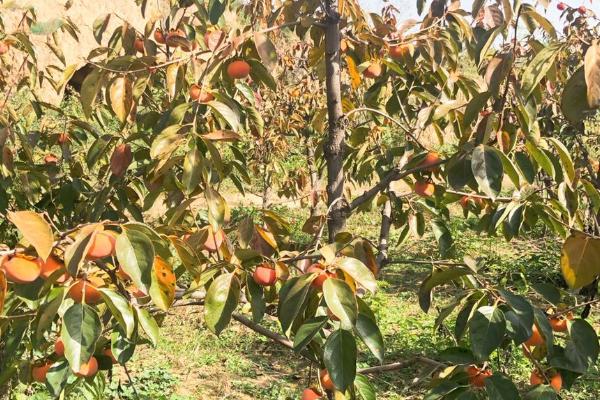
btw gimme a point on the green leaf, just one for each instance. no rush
(582, 349)
(538, 67)
(565, 158)
(80, 331)
(520, 321)
(97, 150)
(216, 9)
(476, 104)
(222, 298)
(548, 291)
(525, 166)
(76, 252)
(57, 376)
(487, 170)
(579, 260)
(341, 301)
(135, 254)
(436, 278)
(457, 355)
(574, 104)
(487, 328)
(308, 331)
(89, 90)
(364, 389)
(218, 210)
(509, 168)
(257, 299)
(259, 73)
(458, 171)
(339, 357)
(148, 324)
(291, 299)
(359, 272)
(499, 387)
(541, 158)
(227, 113)
(120, 309)
(122, 348)
(370, 334)
(47, 311)
(541, 392)
(167, 141)
(46, 27)
(443, 236)
(477, 4)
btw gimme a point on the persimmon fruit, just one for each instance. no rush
(537, 379)
(159, 36)
(536, 338)
(200, 95)
(430, 162)
(373, 71)
(59, 347)
(88, 369)
(51, 266)
(102, 245)
(265, 275)
(326, 381)
(424, 188)
(322, 276)
(238, 69)
(138, 45)
(38, 372)
(310, 394)
(21, 269)
(87, 288)
(477, 376)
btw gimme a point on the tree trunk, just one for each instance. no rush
(334, 147)
(384, 232)
(312, 173)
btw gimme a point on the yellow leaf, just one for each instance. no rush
(592, 74)
(172, 73)
(579, 260)
(267, 237)
(3, 286)
(35, 230)
(222, 135)
(353, 72)
(162, 289)
(121, 97)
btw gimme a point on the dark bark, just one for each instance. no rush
(314, 179)
(384, 232)
(334, 147)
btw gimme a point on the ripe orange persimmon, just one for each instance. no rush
(558, 324)
(477, 376)
(199, 95)
(213, 240)
(373, 71)
(424, 188)
(21, 269)
(88, 288)
(399, 51)
(88, 369)
(138, 45)
(64, 138)
(536, 338)
(430, 161)
(50, 266)
(537, 379)
(310, 394)
(238, 69)
(38, 372)
(59, 347)
(102, 245)
(326, 381)
(321, 277)
(50, 159)
(265, 275)
(159, 36)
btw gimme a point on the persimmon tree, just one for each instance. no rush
(166, 118)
